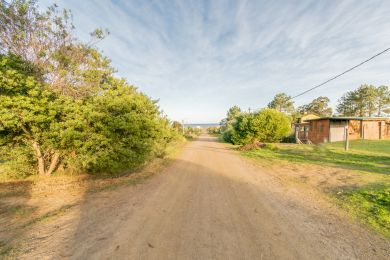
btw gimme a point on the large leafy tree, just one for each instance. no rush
(367, 96)
(227, 123)
(29, 112)
(60, 99)
(367, 100)
(233, 113)
(319, 106)
(282, 103)
(122, 128)
(114, 131)
(46, 40)
(383, 100)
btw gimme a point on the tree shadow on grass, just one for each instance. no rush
(369, 163)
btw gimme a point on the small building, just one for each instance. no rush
(333, 129)
(301, 127)
(306, 117)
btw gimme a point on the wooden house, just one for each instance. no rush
(333, 129)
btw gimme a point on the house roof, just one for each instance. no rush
(350, 118)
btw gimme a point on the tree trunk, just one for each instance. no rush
(41, 161)
(53, 164)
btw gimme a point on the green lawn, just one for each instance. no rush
(365, 146)
(363, 155)
(369, 203)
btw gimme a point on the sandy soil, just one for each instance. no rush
(209, 204)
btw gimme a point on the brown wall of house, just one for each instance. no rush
(319, 131)
(387, 130)
(370, 129)
(355, 129)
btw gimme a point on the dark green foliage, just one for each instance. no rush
(16, 161)
(267, 125)
(226, 127)
(117, 130)
(319, 106)
(227, 135)
(282, 103)
(289, 139)
(122, 130)
(177, 126)
(60, 103)
(367, 100)
(192, 132)
(215, 130)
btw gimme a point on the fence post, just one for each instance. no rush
(346, 144)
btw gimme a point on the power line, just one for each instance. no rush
(339, 75)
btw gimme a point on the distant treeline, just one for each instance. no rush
(367, 100)
(273, 124)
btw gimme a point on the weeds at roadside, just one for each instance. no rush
(5, 250)
(19, 211)
(50, 215)
(370, 204)
(366, 201)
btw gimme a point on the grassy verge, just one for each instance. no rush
(368, 202)
(367, 156)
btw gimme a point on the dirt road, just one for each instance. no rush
(209, 204)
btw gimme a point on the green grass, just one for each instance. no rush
(363, 155)
(370, 204)
(365, 146)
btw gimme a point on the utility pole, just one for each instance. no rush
(182, 125)
(249, 109)
(346, 144)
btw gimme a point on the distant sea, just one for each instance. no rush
(202, 125)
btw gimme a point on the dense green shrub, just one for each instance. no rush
(289, 139)
(115, 130)
(61, 105)
(267, 125)
(16, 161)
(214, 130)
(123, 130)
(192, 132)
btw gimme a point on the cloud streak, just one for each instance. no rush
(201, 57)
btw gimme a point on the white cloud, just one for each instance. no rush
(201, 57)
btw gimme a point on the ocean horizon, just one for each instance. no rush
(203, 125)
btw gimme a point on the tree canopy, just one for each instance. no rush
(319, 106)
(282, 103)
(61, 102)
(367, 100)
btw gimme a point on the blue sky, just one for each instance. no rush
(201, 57)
